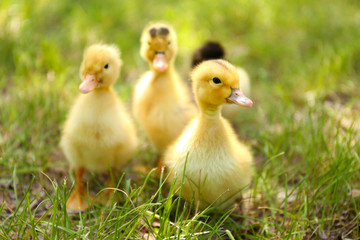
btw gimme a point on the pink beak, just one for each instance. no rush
(160, 63)
(88, 84)
(238, 98)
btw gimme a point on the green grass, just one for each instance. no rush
(304, 129)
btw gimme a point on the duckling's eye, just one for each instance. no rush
(216, 80)
(169, 43)
(106, 66)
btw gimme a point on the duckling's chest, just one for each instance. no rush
(206, 151)
(162, 102)
(161, 91)
(97, 119)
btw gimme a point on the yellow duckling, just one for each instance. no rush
(98, 133)
(214, 50)
(216, 164)
(162, 103)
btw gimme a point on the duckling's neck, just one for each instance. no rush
(165, 80)
(103, 89)
(211, 125)
(159, 75)
(210, 112)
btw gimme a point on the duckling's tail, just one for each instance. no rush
(210, 50)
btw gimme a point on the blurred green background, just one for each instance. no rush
(303, 43)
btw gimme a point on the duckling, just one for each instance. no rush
(214, 50)
(98, 133)
(213, 165)
(162, 103)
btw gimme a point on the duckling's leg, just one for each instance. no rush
(109, 185)
(108, 193)
(160, 164)
(78, 198)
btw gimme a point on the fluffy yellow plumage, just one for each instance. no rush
(218, 165)
(214, 50)
(162, 103)
(98, 133)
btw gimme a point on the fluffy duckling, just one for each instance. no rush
(217, 166)
(162, 103)
(98, 133)
(214, 50)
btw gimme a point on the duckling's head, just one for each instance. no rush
(158, 46)
(216, 82)
(100, 67)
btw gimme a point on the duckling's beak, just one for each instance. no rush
(160, 63)
(89, 84)
(238, 98)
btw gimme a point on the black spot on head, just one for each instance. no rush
(210, 50)
(152, 32)
(164, 31)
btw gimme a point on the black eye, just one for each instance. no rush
(106, 66)
(169, 43)
(216, 80)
